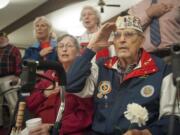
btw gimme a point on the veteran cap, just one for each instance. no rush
(129, 21)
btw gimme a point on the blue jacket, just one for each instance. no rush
(143, 86)
(33, 51)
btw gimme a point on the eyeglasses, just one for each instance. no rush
(61, 46)
(126, 34)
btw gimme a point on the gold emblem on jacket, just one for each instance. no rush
(147, 91)
(103, 89)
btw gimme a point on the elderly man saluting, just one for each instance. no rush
(122, 84)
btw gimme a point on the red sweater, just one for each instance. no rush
(78, 112)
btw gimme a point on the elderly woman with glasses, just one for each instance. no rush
(45, 103)
(132, 79)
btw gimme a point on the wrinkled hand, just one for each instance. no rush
(100, 39)
(42, 129)
(158, 9)
(138, 132)
(46, 51)
(50, 92)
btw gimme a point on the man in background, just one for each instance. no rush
(161, 24)
(10, 69)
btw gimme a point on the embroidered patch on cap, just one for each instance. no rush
(129, 21)
(103, 89)
(147, 91)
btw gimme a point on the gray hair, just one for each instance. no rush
(45, 20)
(96, 12)
(75, 41)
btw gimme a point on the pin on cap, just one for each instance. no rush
(129, 21)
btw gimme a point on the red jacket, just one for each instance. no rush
(78, 112)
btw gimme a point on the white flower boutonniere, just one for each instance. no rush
(136, 114)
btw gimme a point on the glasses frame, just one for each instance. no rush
(61, 46)
(126, 34)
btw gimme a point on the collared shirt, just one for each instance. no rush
(10, 61)
(123, 73)
(169, 24)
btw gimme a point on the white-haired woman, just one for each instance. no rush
(91, 20)
(44, 47)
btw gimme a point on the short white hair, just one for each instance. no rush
(96, 12)
(43, 19)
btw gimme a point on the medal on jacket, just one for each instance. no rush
(103, 89)
(147, 91)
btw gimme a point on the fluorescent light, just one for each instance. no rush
(3, 3)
